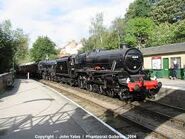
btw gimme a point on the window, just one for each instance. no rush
(175, 60)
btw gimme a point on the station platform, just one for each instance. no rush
(172, 84)
(32, 110)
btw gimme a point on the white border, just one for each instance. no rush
(173, 87)
(105, 124)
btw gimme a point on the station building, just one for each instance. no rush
(159, 60)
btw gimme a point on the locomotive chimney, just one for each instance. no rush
(123, 46)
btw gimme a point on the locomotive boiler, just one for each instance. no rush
(130, 60)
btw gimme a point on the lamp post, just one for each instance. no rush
(141, 41)
(13, 67)
(139, 38)
(119, 39)
(47, 57)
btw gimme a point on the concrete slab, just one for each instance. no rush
(33, 111)
(173, 84)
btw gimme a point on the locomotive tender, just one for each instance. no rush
(31, 67)
(111, 72)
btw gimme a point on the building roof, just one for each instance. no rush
(165, 49)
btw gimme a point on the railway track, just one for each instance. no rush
(169, 112)
(166, 105)
(129, 118)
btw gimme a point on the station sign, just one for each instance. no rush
(156, 62)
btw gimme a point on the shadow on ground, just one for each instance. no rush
(11, 91)
(29, 126)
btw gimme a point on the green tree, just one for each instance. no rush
(43, 48)
(7, 49)
(101, 37)
(166, 33)
(139, 8)
(21, 41)
(111, 40)
(168, 11)
(162, 34)
(138, 31)
(179, 32)
(118, 27)
(97, 30)
(88, 44)
(7, 46)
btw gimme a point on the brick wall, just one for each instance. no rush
(6, 79)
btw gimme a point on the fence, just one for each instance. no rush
(166, 73)
(6, 80)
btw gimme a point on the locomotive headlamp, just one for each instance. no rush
(128, 80)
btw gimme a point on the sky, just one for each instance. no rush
(60, 20)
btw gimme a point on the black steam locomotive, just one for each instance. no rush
(111, 72)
